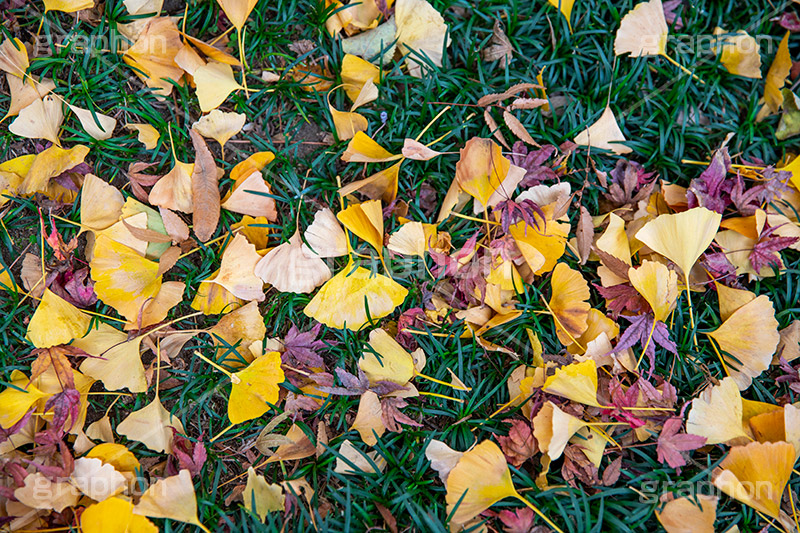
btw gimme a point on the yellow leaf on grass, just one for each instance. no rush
(240, 329)
(368, 421)
(757, 474)
(643, 31)
(717, 413)
(237, 270)
(255, 387)
(219, 125)
(748, 339)
(213, 299)
(40, 120)
(614, 240)
(153, 55)
(694, 514)
(541, 246)
(681, 237)
(174, 190)
(17, 399)
(413, 238)
(214, 82)
(114, 515)
(739, 53)
(731, 299)
(363, 149)
(101, 203)
(565, 6)
(289, 268)
(254, 162)
(417, 151)
(553, 428)
(115, 455)
(249, 196)
(325, 237)
(117, 361)
(347, 123)
(67, 6)
(237, 11)
(658, 285)
(355, 73)
(173, 498)
(25, 92)
(604, 134)
(97, 125)
(123, 279)
(480, 479)
(421, 35)
(380, 186)
(14, 57)
(152, 426)
(776, 78)
(569, 303)
(50, 163)
(481, 169)
(261, 497)
(576, 382)
(386, 360)
(148, 135)
(345, 299)
(56, 321)
(366, 221)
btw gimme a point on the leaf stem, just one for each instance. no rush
(538, 512)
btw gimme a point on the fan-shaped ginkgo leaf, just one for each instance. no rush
(739, 53)
(56, 321)
(289, 268)
(362, 149)
(220, 125)
(481, 169)
(421, 33)
(17, 400)
(261, 497)
(368, 421)
(101, 203)
(114, 515)
(237, 270)
(172, 497)
(117, 361)
(147, 134)
(553, 428)
(386, 360)
(40, 120)
(694, 514)
(643, 31)
(237, 11)
(354, 297)
(717, 414)
(366, 221)
(254, 388)
(174, 190)
(152, 425)
(153, 55)
(97, 125)
(658, 285)
(251, 195)
(325, 236)
(604, 134)
(569, 303)
(413, 238)
(214, 82)
(577, 382)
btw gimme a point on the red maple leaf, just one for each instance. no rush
(671, 443)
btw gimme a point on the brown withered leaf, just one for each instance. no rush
(527, 103)
(577, 467)
(145, 234)
(57, 358)
(518, 129)
(492, 123)
(519, 445)
(175, 226)
(612, 472)
(499, 46)
(584, 235)
(205, 190)
(512, 91)
(168, 259)
(617, 266)
(388, 518)
(139, 180)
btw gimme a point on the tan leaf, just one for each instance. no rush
(492, 123)
(175, 226)
(205, 190)
(518, 129)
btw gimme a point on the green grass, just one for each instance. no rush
(648, 96)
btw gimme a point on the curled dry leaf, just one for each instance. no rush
(205, 190)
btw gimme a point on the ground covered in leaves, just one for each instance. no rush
(399, 265)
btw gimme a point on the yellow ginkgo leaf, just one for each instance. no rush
(117, 361)
(261, 497)
(6, 281)
(14, 57)
(658, 285)
(688, 515)
(569, 303)
(239, 329)
(251, 196)
(413, 238)
(123, 279)
(298, 447)
(576, 382)
(17, 399)
(417, 151)
(325, 236)
(347, 123)
(115, 455)
(731, 299)
(368, 421)
(237, 270)
(289, 268)
(213, 299)
(173, 498)
(56, 321)
(97, 125)
(643, 31)
(152, 426)
(363, 149)
(48, 164)
(67, 6)
(101, 203)
(148, 135)
(421, 35)
(237, 11)
(255, 388)
(553, 428)
(40, 120)
(153, 55)
(614, 240)
(174, 190)
(604, 134)
(25, 92)
(214, 82)
(776, 78)
(541, 246)
(355, 73)
(357, 462)
(739, 53)
(254, 162)
(386, 360)
(366, 221)
(96, 479)
(748, 339)
(114, 515)
(481, 169)
(565, 6)
(380, 186)
(766, 466)
(354, 297)
(717, 414)
(220, 125)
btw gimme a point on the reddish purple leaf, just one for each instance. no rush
(671, 443)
